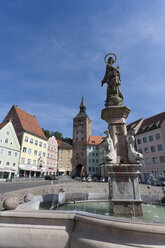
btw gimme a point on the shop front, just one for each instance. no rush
(29, 171)
(7, 173)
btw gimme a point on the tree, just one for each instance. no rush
(57, 135)
(47, 133)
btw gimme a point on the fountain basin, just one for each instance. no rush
(20, 229)
(24, 228)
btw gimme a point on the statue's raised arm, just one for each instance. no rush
(113, 80)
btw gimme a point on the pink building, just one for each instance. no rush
(150, 141)
(52, 150)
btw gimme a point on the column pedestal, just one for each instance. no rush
(124, 189)
(123, 176)
(115, 117)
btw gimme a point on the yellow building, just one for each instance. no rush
(32, 140)
(33, 155)
(64, 157)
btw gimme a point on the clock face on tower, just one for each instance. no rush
(79, 122)
(79, 133)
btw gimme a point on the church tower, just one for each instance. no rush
(81, 132)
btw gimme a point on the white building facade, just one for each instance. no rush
(9, 151)
(93, 159)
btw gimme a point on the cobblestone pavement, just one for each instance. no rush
(72, 186)
(14, 186)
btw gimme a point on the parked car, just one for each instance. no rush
(77, 178)
(160, 182)
(96, 178)
(53, 177)
(89, 179)
(21, 176)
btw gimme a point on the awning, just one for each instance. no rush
(29, 168)
(61, 170)
(12, 171)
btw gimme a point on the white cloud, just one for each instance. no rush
(144, 24)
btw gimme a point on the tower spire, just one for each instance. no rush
(82, 106)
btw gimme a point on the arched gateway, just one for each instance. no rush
(78, 170)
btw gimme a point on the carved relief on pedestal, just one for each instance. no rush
(119, 130)
(134, 156)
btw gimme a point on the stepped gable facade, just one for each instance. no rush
(52, 151)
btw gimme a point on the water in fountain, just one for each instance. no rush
(151, 212)
(54, 202)
(152, 181)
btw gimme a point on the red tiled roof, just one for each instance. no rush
(59, 141)
(29, 123)
(147, 124)
(134, 124)
(152, 122)
(154, 119)
(2, 124)
(95, 140)
(64, 145)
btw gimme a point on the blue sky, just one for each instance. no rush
(52, 53)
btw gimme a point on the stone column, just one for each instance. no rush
(123, 176)
(115, 117)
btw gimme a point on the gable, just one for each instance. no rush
(8, 132)
(25, 122)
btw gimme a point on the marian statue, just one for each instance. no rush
(113, 80)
